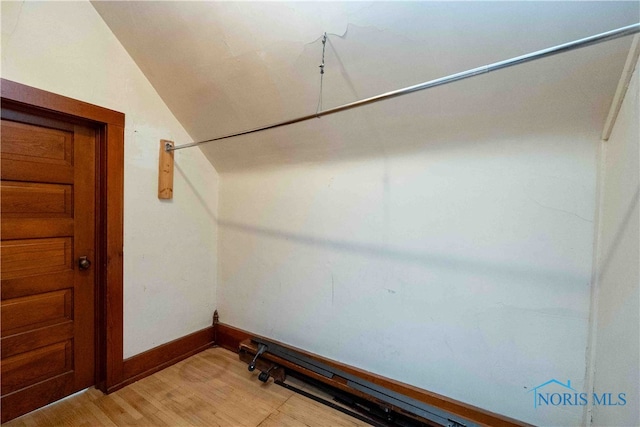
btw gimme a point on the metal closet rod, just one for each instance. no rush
(566, 47)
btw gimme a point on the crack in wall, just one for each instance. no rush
(6, 40)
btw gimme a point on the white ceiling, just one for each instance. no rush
(223, 67)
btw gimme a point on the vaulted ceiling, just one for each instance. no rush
(223, 67)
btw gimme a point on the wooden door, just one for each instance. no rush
(48, 207)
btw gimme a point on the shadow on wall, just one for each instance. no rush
(359, 136)
(195, 191)
(479, 268)
(622, 229)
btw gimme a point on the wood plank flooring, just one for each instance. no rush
(212, 388)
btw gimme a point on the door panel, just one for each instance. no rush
(18, 256)
(37, 200)
(48, 222)
(21, 286)
(36, 365)
(36, 143)
(22, 342)
(33, 228)
(36, 311)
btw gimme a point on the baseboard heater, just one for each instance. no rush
(379, 405)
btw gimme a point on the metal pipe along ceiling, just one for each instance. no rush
(566, 47)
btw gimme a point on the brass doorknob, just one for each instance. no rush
(84, 263)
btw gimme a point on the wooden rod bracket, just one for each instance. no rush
(165, 171)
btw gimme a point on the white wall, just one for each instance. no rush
(169, 247)
(617, 344)
(462, 267)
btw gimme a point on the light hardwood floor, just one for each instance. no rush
(212, 388)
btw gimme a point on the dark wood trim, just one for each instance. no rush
(110, 195)
(165, 355)
(113, 260)
(32, 96)
(229, 337)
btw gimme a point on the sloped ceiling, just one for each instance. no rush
(223, 67)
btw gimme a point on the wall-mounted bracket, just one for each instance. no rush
(165, 170)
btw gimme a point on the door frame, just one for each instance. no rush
(109, 215)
